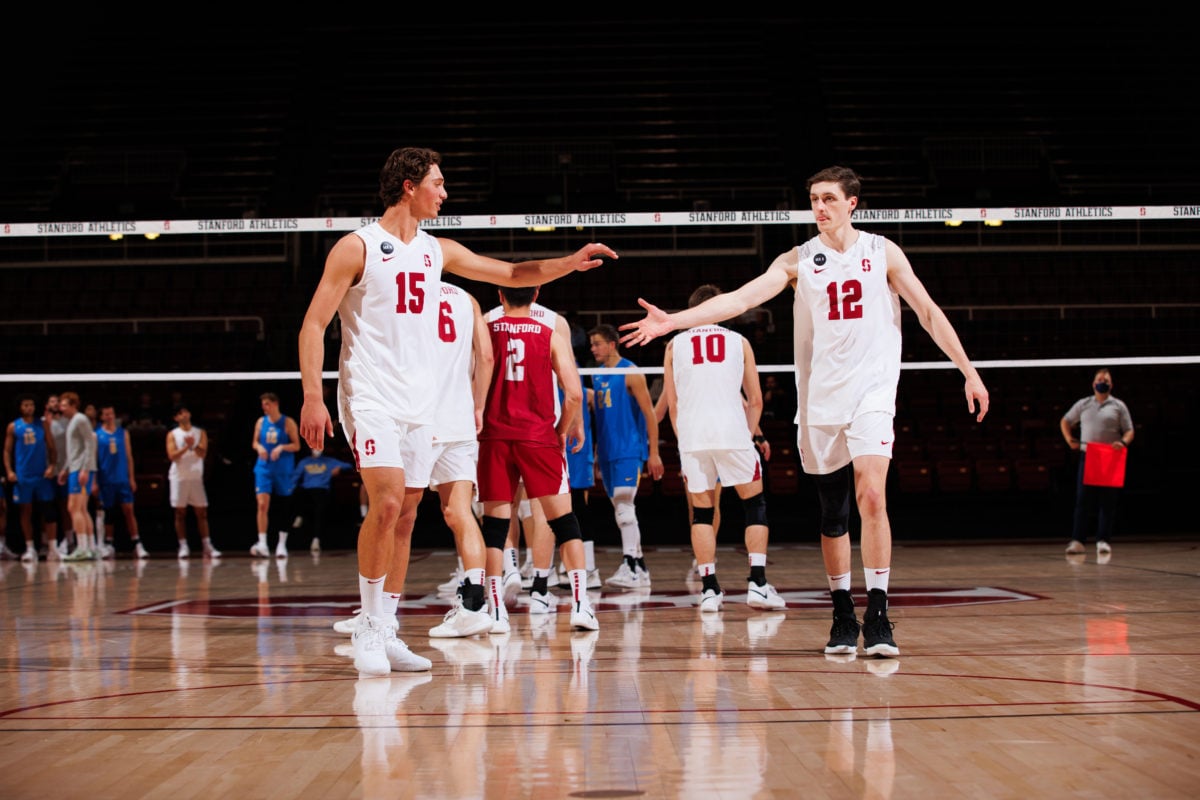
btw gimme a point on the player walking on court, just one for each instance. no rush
(521, 442)
(626, 432)
(710, 380)
(848, 287)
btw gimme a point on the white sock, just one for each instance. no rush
(839, 582)
(283, 538)
(578, 580)
(510, 559)
(370, 591)
(475, 576)
(262, 538)
(758, 559)
(877, 577)
(707, 568)
(589, 554)
(391, 603)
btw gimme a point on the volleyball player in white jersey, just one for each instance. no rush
(847, 354)
(710, 381)
(383, 282)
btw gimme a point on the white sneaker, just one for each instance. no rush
(624, 577)
(451, 586)
(542, 603)
(399, 657)
(6, 554)
(211, 552)
(511, 585)
(259, 550)
(459, 622)
(106, 550)
(499, 617)
(140, 551)
(370, 657)
(711, 601)
(764, 597)
(1103, 548)
(346, 626)
(184, 550)
(53, 554)
(1075, 546)
(642, 576)
(315, 547)
(281, 551)
(593, 578)
(583, 617)
(30, 556)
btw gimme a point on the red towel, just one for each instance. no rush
(1104, 465)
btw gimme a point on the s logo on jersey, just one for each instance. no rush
(369, 447)
(866, 265)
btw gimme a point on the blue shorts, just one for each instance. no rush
(115, 494)
(271, 477)
(620, 472)
(74, 487)
(38, 490)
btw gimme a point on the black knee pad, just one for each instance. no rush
(834, 492)
(703, 516)
(755, 509)
(565, 528)
(495, 531)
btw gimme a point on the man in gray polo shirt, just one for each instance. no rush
(1099, 417)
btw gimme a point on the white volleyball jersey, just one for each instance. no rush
(548, 318)
(847, 332)
(455, 419)
(189, 464)
(389, 322)
(707, 365)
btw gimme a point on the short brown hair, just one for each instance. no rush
(702, 293)
(274, 398)
(404, 164)
(69, 397)
(843, 176)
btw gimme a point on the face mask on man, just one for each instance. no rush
(1101, 387)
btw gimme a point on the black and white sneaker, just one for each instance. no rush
(877, 629)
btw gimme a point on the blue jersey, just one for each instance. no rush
(112, 460)
(270, 436)
(581, 465)
(29, 449)
(316, 472)
(619, 427)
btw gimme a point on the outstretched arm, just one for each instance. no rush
(460, 260)
(716, 309)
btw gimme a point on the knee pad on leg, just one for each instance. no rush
(703, 516)
(626, 514)
(565, 528)
(495, 531)
(755, 509)
(834, 492)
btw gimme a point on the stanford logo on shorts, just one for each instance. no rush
(369, 447)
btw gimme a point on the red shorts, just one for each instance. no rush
(503, 462)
